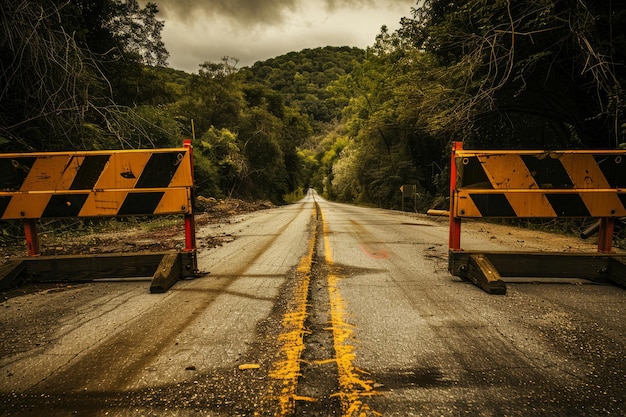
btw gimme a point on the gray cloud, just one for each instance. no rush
(250, 30)
(237, 11)
(253, 12)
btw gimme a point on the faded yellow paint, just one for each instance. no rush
(286, 370)
(26, 206)
(122, 171)
(599, 202)
(462, 153)
(586, 175)
(246, 366)
(464, 206)
(508, 172)
(183, 176)
(510, 177)
(103, 203)
(175, 200)
(69, 173)
(54, 173)
(352, 387)
(46, 173)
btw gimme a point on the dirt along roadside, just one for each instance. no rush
(133, 234)
(125, 235)
(536, 238)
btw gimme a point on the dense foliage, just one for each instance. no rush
(302, 79)
(535, 73)
(494, 74)
(70, 71)
(355, 124)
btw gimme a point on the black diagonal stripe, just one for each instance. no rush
(614, 169)
(472, 174)
(548, 172)
(14, 171)
(4, 203)
(89, 172)
(568, 205)
(140, 203)
(493, 205)
(622, 198)
(65, 205)
(160, 170)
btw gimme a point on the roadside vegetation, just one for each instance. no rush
(354, 124)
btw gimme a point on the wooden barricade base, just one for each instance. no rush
(486, 269)
(165, 268)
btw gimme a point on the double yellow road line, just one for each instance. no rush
(353, 389)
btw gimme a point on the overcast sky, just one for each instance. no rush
(254, 30)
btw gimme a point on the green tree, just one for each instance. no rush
(221, 148)
(302, 79)
(329, 151)
(70, 70)
(388, 143)
(265, 175)
(214, 97)
(527, 74)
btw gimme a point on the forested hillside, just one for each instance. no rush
(303, 78)
(355, 124)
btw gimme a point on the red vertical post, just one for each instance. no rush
(190, 220)
(605, 234)
(32, 237)
(454, 242)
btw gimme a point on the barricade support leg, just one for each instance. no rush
(605, 234)
(483, 274)
(454, 239)
(32, 237)
(168, 272)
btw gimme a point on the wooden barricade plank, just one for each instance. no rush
(87, 268)
(540, 183)
(590, 266)
(95, 184)
(163, 268)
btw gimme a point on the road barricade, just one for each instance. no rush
(536, 183)
(85, 184)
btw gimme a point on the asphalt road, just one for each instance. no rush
(323, 309)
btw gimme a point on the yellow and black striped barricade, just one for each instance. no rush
(112, 183)
(536, 183)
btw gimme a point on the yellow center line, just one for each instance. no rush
(287, 368)
(352, 387)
